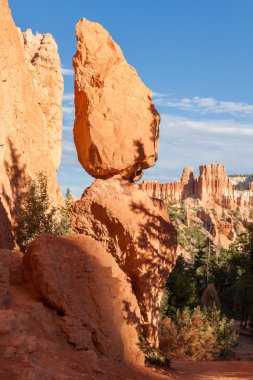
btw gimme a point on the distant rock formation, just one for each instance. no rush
(211, 186)
(116, 136)
(116, 125)
(210, 297)
(31, 87)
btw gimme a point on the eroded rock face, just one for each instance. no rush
(116, 124)
(77, 277)
(43, 61)
(137, 232)
(211, 186)
(31, 89)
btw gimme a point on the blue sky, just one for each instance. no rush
(196, 56)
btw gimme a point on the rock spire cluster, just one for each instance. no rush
(211, 186)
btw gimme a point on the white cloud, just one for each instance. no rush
(69, 96)
(68, 110)
(189, 142)
(215, 127)
(205, 105)
(67, 128)
(68, 146)
(66, 71)
(158, 95)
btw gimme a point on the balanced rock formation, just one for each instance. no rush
(31, 87)
(136, 231)
(116, 124)
(116, 136)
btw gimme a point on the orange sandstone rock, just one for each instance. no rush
(116, 124)
(137, 232)
(76, 276)
(212, 186)
(31, 87)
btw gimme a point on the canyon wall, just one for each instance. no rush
(31, 87)
(211, 186)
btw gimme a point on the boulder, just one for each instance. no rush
(79, 279)
(116, 126)
(135, 229)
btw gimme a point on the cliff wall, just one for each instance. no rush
(31, 87)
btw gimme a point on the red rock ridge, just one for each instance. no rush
(212, 185)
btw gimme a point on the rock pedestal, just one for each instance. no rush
(137, 232)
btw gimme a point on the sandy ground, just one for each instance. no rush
(239, 369)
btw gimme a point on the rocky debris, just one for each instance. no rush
(116, 126)
(137, 232)
(31, 89)
(79, 279)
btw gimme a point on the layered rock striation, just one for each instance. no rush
(116, 125)
(211, 186)
(31, 88)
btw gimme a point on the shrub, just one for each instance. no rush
(222, 330)
(36, 216)
(197, 334)
(157, 358)
(152, 356)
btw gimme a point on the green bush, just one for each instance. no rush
(222, 328)
(36, 216)
(157, 358)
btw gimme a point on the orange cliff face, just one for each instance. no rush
(31, 87)
(212, 186)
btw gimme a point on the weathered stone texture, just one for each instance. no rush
(137, 232)
(116, 124)
(31, 87)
